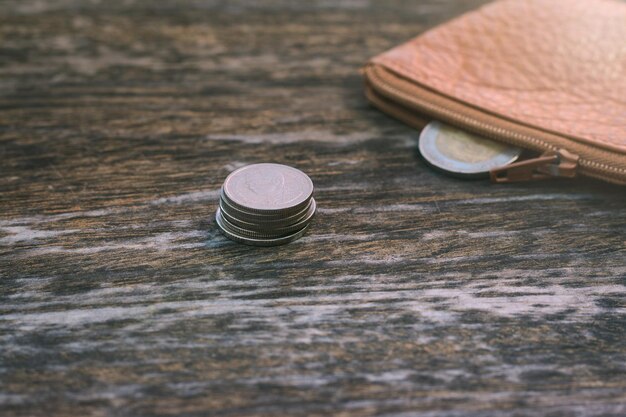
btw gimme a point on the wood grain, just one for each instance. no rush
(413, 294)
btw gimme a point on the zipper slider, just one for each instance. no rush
(549, 165)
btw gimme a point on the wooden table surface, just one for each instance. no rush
(413, 294)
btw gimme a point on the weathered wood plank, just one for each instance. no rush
(412, 294)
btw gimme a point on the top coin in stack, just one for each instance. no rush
(266, 204)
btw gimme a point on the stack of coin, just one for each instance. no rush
(265, 205)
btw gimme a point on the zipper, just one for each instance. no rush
(549, 165)
(401, 98)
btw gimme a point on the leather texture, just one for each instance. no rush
(559, 66)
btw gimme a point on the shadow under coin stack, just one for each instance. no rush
(265, 205)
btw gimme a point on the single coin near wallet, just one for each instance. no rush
(463, 154)
(265, 205)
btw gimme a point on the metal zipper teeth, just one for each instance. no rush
(523, 139)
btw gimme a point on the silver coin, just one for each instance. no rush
(281, 226)
(264, 217)
(257, 241)
(272, 234)
(268, 188)
(224, 223)
(463, 154)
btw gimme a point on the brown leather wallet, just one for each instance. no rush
(545, 75)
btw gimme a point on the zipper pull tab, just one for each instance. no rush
(549, 165)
